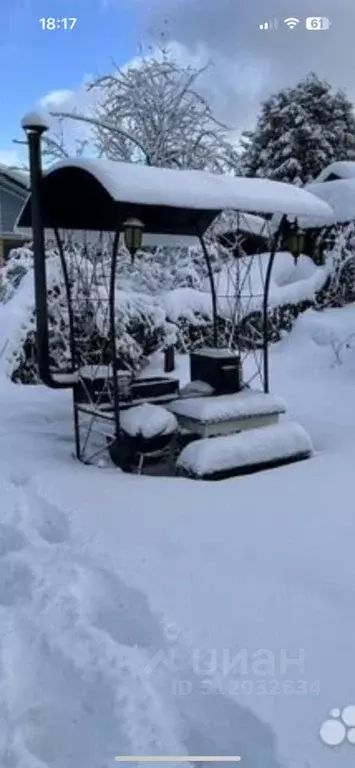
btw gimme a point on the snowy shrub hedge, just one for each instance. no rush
(141, 324)
(339, 256)
(157, 303)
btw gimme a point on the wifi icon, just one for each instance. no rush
(291, 23)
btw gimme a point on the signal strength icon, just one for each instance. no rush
(269, 25)
(291, 23)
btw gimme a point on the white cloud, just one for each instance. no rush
(11, 158)
(56, 99)
(78, 100)
(227, 81)
(230, 29)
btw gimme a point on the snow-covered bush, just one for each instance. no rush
(163, 269)
(339, 258)
(13, 271)
(163, 298)
(141, 326)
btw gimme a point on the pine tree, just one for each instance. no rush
(299, 131)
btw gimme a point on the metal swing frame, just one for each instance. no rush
(47, 208)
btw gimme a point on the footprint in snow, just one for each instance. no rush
(11, 540)
(19, 479)
(120, 610)
(16, 581)
(51, 522)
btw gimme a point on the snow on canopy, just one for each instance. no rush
(344, 169)
(340, 195)
(198, 190)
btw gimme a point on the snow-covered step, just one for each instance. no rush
(227, 414)
(217, 458)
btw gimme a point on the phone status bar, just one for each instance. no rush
(311, 23)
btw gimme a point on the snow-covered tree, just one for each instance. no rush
(151, 111)
(55, 146)
(299, 131)
(339, 256)
(141, 324)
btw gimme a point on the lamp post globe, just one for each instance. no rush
(34, 122)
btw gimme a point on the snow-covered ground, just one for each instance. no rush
(159, 616)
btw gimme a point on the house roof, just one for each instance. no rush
(100, 194)
(340, 195)
(344, 169)
(19, 178)
(247, 223)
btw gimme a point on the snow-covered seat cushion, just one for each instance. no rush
(258, 448)
(226, 407)
(148, 421)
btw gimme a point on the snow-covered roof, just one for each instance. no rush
(19, 177)
(95, 194)
(198, 190)
(344, 169)
(340, 195)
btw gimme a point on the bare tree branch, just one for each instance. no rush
(153, 109)
(149, 112)
(100, 124)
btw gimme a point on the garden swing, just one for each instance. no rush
(219, 424)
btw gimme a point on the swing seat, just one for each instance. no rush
(227, 414)
(218, 458)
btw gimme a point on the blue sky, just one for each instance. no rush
(248, 64)
(34, 62)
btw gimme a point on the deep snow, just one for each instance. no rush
(123, 599)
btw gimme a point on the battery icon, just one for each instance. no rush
(317, 23)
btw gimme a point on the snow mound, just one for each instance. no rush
(186, 302)
(255, 446)
(16, 319)
(147, 421)
(225, 407)
(196, 388)
(330, 326)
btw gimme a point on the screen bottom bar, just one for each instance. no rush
(178, 759)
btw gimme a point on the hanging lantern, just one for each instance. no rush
(133, 235)
(295, 241)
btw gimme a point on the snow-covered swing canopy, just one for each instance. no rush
(95, 195)
(100, 195)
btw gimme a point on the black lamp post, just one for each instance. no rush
(133, 235)
(35, 126)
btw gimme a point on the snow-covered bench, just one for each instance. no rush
(227, 414)
(217, 458)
